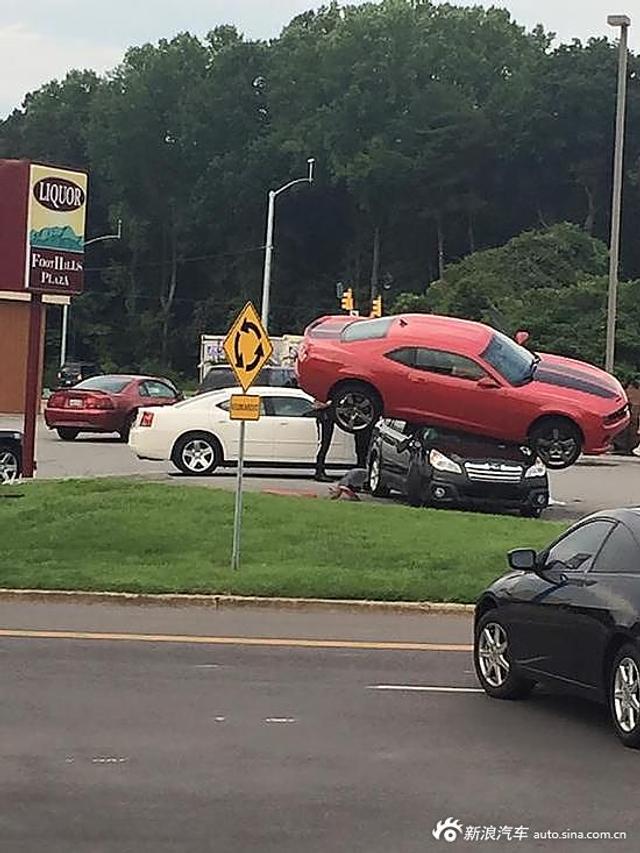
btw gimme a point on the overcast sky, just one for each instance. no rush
(43, 39)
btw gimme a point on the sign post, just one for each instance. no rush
(42, 226)
(247, 348)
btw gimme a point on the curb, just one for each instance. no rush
(231, 601)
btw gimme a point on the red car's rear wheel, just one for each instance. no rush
(356, 406)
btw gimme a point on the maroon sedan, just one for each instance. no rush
(106, 404)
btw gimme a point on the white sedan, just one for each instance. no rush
(198, 435)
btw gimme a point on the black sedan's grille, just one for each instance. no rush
(493, 472)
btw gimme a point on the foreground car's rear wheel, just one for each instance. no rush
(67, 434)
(356, 406)
(376, 483)
(493, 662)
(197, 454)
(9, 464)
(624, 696)
(557, 442)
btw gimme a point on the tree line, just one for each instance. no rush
(439, 132)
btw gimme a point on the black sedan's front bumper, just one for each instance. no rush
(457, 490)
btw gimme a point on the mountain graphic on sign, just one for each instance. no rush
(63, 238)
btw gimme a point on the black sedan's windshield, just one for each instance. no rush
(513, 362)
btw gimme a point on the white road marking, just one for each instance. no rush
(110, 759)
(219, 719)
(207, 666)
(424, 689)
(280, 720)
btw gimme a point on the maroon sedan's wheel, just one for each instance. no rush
(557, 442)
(67, 434)
(356, 406)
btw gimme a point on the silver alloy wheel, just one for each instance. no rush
(354, 411)
(626, 694)
(492, 650)
(9, 468)
(374, 474)
(198, 455)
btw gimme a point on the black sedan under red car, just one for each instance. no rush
(106, 404)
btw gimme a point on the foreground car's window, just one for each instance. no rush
(288, 407)
(576, 551)
(111, 384)
(448, 364)
(511, 360)
(368, 330)
(620, 553)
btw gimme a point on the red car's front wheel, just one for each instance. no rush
(557, 442)
(356, 406)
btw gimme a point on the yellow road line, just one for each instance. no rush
(19, 633)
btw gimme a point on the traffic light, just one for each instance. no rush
(347, 300)
(376, 307)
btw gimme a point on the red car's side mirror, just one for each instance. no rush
(522, 337)
(488, 383)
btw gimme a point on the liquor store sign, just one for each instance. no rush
(55, 230)
(42, 227)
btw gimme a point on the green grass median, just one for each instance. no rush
(115, 535)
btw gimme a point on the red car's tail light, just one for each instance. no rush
(56, 401)
(98, 403)
(147, 419)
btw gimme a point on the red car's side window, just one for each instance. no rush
(448, 364)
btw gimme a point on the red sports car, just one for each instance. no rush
(427, 369)
(106, 404)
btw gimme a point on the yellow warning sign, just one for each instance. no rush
(247, 346)
(244, 407)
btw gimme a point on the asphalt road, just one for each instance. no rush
(591, 485)
(135, 746)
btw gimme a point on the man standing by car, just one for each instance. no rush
(325, 425)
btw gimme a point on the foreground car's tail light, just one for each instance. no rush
(98, 403)
(147, 419)
(539, 469)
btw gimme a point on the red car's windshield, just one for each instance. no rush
(111, 384)
(513, 362)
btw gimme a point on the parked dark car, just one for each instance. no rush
(73, 372)
(221, 376)
(10, 455)
(569, 616)
(107, 403)
(440, 468)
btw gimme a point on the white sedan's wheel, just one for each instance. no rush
(197, 454)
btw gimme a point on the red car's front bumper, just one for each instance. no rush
(89, 420)
(601, 432)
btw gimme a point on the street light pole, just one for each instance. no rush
(65, 307)
(624, 22)
(268, 248)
